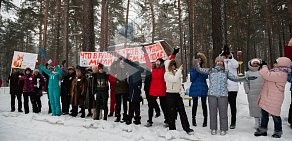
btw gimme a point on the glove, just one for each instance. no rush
(144, 49)
(251, 78)
(262, 64)
(64, 62)
(175, 51)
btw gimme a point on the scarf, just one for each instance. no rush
(281, 69)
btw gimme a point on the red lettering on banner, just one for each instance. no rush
(135, 58)
(81, 54)
(94, 55)
(92, 62)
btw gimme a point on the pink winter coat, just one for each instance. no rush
(272, 93)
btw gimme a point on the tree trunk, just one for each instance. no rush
(88, 26)
(57, 31)
(151, 2)
(46, 14)
(104, 25)
(66, 28)
(268, 27)
(126, 24)
(218, 26)
(290, 16)
(40, 30)
(180, 24)
(191, 30)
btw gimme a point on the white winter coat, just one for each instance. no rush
(231, 65)
(173, 81)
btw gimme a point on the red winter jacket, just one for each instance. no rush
(28, 85)
(158, 84)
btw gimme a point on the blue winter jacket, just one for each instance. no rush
(199, 87)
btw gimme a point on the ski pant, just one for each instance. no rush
(218, 104)
(175, 104)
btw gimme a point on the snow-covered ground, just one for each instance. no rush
(29, 127)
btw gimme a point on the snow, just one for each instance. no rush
(27, 127)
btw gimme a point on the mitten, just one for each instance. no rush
(175, 51)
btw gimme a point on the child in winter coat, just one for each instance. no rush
(272, 95)
(252, 89)
(54, 88)
(218, 93)
(199, 88)
(174, 100)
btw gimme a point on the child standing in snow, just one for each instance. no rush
(272, 95)
(252, 89)
(218, 93)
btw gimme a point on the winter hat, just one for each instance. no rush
(204, 59)
(71, 68)
(36, 70)
(219, 58)
(27, 69)
(284, 62)
(255, 60)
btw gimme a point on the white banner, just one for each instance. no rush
(154, 51)
(23, 60)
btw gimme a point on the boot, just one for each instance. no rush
(125, 118)
(149, 124)
(82, 113)
(111, 114)
(194, 121)
(137, 120)
(128, 120)
(205, 122)
(260, 132)
(89, 113)
(118, 118)
(277, 134)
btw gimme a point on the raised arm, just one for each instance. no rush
(173, 78)
(59, 70)
(45, 70)
(147, 59)
(199, 69)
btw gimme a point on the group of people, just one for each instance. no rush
(90, 88)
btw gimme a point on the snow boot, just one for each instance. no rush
(137, 120)
(260, 132)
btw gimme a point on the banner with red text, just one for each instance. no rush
(154, 51)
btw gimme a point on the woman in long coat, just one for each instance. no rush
(78, 93)
(252, 89)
